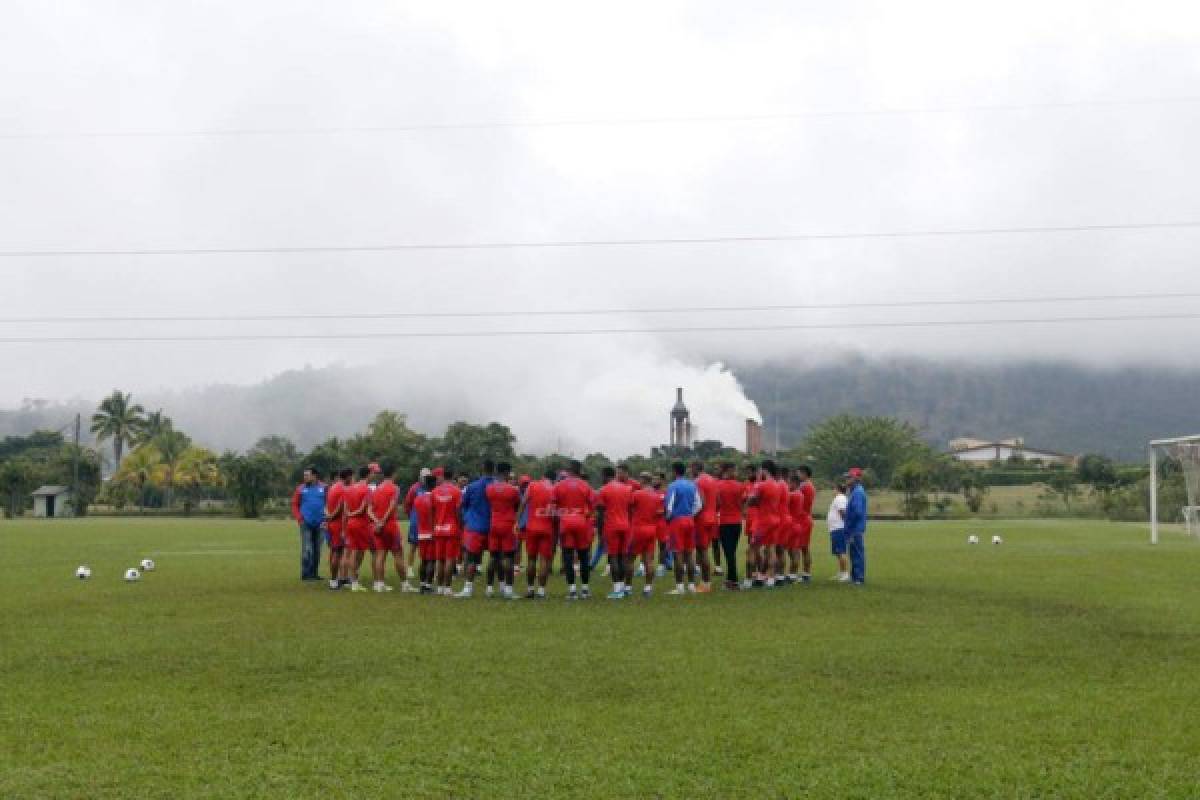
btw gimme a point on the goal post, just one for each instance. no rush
(1182, 453)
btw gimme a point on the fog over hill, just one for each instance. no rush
(1053, 405)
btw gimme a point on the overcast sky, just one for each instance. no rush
(69, 70)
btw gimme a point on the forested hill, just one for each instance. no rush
(1053, 405)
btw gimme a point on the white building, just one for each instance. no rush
(52, 501)
(982, 453)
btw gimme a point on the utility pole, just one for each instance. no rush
(75, 469)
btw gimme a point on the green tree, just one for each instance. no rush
(171, 445)
(18, 477)
(1098, 472)
(250, 478)
(974, 491)
(120, 419)
(880, 444)
(66, 464)
(286, 457)
(329, 457)
(465, 446)
(912, 479)
(388, 438)
(1062, 483)
(154, 425)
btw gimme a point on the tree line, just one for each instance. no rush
(158, 467)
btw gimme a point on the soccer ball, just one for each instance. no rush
(132, 576)
(972, 540)
(147, 565)
(997, 540)
(83, 573)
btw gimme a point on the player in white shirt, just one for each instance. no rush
(837, 532)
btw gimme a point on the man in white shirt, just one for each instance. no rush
(837, 532)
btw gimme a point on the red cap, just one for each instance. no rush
(374, 467)
(439, 472)
(855, 472)
(525, 479)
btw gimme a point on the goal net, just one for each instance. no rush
(1175, 484)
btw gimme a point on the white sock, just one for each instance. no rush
(619, 586)
(574, 588)
(679, 586)
(541, 592)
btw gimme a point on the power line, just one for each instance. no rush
(694, 119)
(585, 243)
(355, 316)
(589, 332)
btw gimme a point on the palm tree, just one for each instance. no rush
(153, 426)
(120, 419)
(171, 445)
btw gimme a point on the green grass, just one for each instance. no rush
(1063, 664)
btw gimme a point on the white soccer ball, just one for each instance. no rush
(972, 540)
(132, 576)
(83, 573)
(147, 565)
(997, 540)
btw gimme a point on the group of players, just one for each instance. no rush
(674, 521)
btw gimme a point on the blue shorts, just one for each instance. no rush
(412, 532)
(838, 540)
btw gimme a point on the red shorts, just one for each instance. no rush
(447, 548)
(502, 539)
(336, 539)
(642, 540)
(683, 534)
(783, 534)
(539, 544)
(475, 542)
(804, 534)
(358, 534)
(766, 533)
(577, 533)
(661, 533)
(388, 539)
(706, 534)
(617, 542)
(427, 548)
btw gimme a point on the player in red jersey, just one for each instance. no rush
(646, 514)
(754, 577)
(505, 501)
(616, 498)
(768, 500)
(706, 522)
(422, 520)
(666, 559)
(447, 528)
(537, 508)
(783, 536)
(573, 499)
(335, 522)
(357, 530)
(383, 511)
(731, 500)
(407, 506)
(803, 497)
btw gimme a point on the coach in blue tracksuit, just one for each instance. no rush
(856, 527)
(308, 509)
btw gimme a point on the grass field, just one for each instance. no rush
(1063, 664)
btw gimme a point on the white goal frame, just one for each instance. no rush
(1191, 513)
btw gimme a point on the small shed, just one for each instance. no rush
(53, 501)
